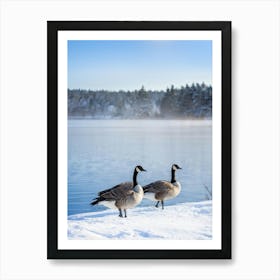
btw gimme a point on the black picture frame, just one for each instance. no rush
(53, 27)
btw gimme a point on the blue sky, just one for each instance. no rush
(127, 65)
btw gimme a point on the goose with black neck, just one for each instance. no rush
(161, 190)
(122, 196)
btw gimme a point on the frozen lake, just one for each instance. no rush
(103, 153)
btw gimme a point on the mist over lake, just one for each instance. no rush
(103, 153)
(184, 102)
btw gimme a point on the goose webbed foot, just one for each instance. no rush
(120, 215)
(157, 204)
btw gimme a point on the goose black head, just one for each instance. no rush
(175, 167)
(139, 168)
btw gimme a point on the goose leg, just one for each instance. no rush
(120, 215)
(125, 213)
(162, 205)
(157, 204)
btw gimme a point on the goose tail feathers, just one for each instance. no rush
(96, 200)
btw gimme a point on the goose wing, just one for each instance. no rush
(161, 189)
(118, 192)
(158, 186)
(124, 186)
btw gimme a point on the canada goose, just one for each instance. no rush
(163, 190)
(123, 196)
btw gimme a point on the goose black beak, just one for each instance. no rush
(144, 170)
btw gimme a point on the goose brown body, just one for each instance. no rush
(163, 190)
(122, 196)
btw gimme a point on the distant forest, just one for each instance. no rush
(187, 102)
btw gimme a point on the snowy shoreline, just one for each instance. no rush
(189, 221)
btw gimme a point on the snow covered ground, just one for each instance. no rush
(189, 221)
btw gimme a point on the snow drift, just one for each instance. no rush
(189, 221)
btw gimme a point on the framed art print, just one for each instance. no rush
(139, 140)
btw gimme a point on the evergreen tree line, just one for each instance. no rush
(187, 102)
